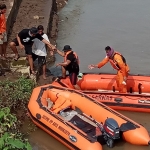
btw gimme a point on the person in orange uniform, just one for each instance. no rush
(118, 62)
(3, 34)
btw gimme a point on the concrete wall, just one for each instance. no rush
(12, 10)
(52, 11)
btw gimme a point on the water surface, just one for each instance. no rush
(88, 26)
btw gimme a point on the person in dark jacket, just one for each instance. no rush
(70, 64)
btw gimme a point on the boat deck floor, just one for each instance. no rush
(68, 115)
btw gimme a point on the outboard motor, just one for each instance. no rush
(110, 131)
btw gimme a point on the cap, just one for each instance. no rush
(67, 47)
(34, 30)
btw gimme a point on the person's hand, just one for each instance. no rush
(57, 65)
(53, 48)
(91, 66)
(51, 53)
(124, 83)
(1, 37)
(21, 46)
(125, 79)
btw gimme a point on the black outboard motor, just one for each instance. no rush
(111, 131)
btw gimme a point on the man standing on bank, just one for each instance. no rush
(118, 62)
(39, 50)
(70, 64)
(25, 41)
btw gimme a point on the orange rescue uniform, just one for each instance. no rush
(122, 68)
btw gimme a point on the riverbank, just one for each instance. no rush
(30, 14)
(25, 19)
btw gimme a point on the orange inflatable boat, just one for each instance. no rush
(135, 83)
(75, 118)
(102, 87)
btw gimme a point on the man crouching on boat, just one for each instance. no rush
(118, 62)
(70, 64)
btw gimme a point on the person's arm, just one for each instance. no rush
(61, 53)
(66, 63)
(47, 39)
(18, 39)
(1, 36)
(70, 58)
(103, 62)
(100, 64)
(52, 47)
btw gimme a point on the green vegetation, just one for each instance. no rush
(15, 94)
(14, 97)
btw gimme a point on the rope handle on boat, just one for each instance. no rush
(76, 129)
(87, 116)
(92, 119)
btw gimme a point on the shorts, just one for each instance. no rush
(28, 47)
(73, 78)
(4, 38)
(41, 59)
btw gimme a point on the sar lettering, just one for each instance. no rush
(102, 97)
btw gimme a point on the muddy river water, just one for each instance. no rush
(90, 25)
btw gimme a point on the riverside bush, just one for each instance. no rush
(10, 137)
(14, 96)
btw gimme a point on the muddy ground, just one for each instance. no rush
(25, 19)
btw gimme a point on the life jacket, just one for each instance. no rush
(76, 57)
(115, 64)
